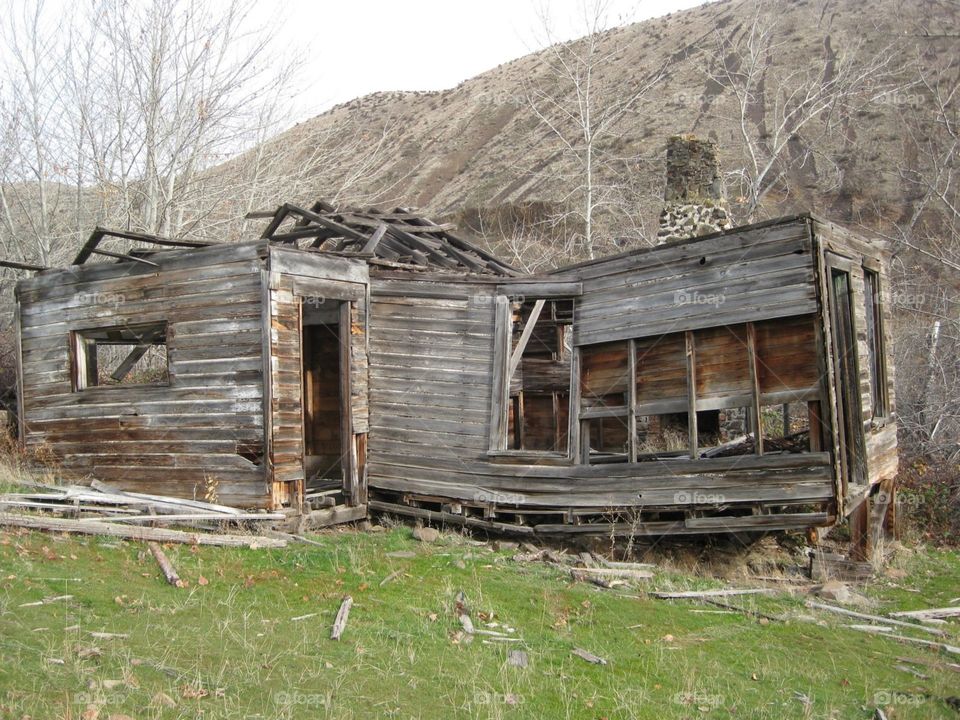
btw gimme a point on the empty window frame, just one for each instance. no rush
(120, 356)
(532, 376)
(731, 390)
(605, 402)
(875, 344)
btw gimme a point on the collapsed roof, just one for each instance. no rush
(399, 237)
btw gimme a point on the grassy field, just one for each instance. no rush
(249, 638)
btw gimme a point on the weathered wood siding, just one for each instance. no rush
(431, 364)
(296, 277)
(880, 434)
(202, 435)
(432, 355)
(757, 274)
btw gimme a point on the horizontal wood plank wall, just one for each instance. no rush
(758, 274)
(297, 277)
(200, 436)
(880, 434)
(431, 361)
(431, 357)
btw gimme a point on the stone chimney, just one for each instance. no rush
(694, 202)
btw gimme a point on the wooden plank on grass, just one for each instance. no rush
(108, 529)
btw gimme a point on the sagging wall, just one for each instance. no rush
(199, 436)
(431, 395)
(835, 246)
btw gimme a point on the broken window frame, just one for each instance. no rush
(84, 362)
(507, 359)
(636, 408)
(876, 348)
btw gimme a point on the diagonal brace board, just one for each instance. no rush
(525, 338)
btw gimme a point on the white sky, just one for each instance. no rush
(355, 47)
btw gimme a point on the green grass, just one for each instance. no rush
(233, 640)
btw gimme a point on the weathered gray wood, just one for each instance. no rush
(691, 354)
(137, 533)
(525, 337)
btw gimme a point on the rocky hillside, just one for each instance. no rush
(478, 152)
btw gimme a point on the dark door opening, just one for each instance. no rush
(323, 402)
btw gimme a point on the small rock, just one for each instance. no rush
(517, 658)
(426, 534)
(834, 590)
(161, 699)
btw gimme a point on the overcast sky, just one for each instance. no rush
(355, 47)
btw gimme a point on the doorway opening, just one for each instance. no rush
(323, 399)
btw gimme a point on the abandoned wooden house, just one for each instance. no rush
(353, 361)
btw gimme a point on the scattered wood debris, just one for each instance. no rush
(102, 510)
(872, 618)
(952, 649)
(694, 594)
(826, 566)
(137, 533)
(931, 614)
(343, 614)
(589, 656)
(169, 572)
(48, 600)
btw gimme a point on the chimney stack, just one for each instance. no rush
(694, 202)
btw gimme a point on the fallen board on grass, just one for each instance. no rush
(872, 618)
(85, 527)
(694, 594)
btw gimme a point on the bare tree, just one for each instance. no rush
(927, 278)
(579, 102)
(785, 114)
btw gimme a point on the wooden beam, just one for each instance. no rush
(21, 266)
(146, 342)
(525, 337)
(501, 378)
(122, 256)
(109, 529)
(691, 353)
(755, 417)
(375, 238)
(632, 401)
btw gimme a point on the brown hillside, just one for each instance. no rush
(479, 146)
